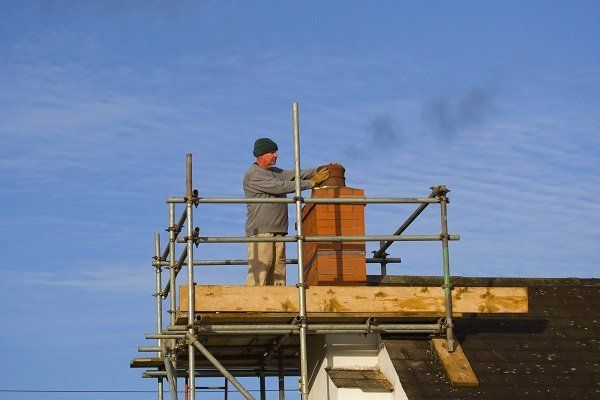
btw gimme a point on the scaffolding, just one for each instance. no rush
(273, 349)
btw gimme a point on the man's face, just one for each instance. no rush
(267, 160)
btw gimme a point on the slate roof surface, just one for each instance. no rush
(553, 352)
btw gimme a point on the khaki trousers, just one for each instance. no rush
(266, 262)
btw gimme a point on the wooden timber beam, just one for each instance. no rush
(457, 366)
(368, 300)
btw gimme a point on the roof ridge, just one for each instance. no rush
(480, 281)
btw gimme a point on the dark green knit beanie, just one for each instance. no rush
(264, 146)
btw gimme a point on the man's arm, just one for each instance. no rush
(265, 182)
(289, 175)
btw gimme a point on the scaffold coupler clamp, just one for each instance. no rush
(195, 199)
(190, 338)
(156, 260)
(369, 322)
(171, 356)
(441, 325)
(440, 191)
(195, 236)
(303, 284)
(447, 328)
(300, 320)
(377, 254)
(174, 229)
(296, 198)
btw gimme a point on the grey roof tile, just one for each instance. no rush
(553, 352)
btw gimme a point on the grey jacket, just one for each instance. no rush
(267, 183)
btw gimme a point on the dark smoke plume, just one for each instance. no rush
(449, 116)
(384, 130)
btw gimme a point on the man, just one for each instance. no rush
(266, 260)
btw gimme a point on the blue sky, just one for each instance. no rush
(100, 101)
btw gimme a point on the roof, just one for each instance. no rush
(553, 352)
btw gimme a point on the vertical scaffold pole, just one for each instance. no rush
(447, 284)
(383, 256)
(301, 285)
(281, 375)
(172, 276)
(263, 385)
(172, 264)
(158, 295)
(190, 276)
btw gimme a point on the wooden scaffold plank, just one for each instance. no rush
(415, 301)
(457, 366)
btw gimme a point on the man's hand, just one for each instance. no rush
(319, 177)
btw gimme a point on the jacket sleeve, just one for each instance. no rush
(304, 174)
(264, 182)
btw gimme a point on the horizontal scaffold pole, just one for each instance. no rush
(148, 349)
(178, 332)
(241, 261)
(295, 331)
(314, 200)
(214, 372)
(376, 238)
(268, 327)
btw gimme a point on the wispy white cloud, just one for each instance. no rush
(92, 305)
(90, 278)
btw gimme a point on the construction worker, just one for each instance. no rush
(266, 260)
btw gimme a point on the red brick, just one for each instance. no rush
(325, 223)
(334, 262)
(348, 223)
(326, 215)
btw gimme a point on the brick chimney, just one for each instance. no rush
(334, 263)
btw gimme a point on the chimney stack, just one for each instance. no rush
(334, 263)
